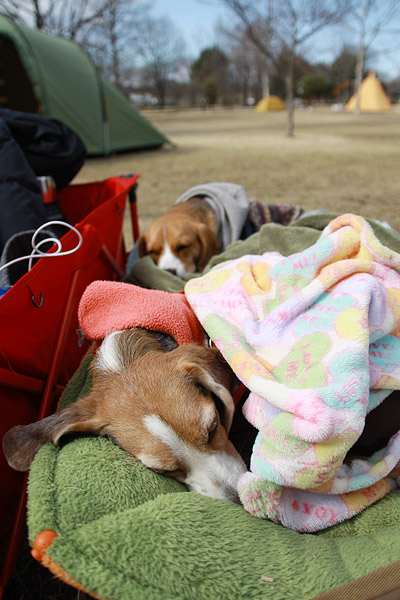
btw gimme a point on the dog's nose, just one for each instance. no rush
(172, 271)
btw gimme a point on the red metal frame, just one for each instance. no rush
(50, 386)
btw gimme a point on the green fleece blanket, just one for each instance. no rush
(271, 238)
(124, 532)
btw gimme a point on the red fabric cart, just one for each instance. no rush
(40, 342)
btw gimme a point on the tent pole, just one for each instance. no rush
(106, 137)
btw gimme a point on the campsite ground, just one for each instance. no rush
(338, 161)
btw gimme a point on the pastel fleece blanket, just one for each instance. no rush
(315, 336)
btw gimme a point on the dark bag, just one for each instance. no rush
(30, 146)
(50, 147)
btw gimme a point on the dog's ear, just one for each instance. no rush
(205, 369)
(120, 348)
(141, 247)
(209, 245)
(21, 443)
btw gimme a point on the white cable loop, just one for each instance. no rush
(36, 252)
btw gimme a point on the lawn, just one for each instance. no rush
(337, 161)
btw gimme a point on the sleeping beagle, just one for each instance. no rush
(183, 239)
(169, 406)
(204, 221)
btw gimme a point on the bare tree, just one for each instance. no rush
(246, 73)
(27, 11)
(161, 49)
(370, 19)
(277, 27)
(107, 29)
(249, 69)
(66, 18)
(71, 19)
(112, 42)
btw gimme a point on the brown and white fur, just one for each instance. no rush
(183, 239)
(167, 405)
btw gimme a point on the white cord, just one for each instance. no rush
(36, 252)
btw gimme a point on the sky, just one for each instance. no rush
(197, 20)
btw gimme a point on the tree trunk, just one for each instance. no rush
(360, 59)
(289, 82)
(265, 82)
(161, 93)
(359, 73)
(38, 15)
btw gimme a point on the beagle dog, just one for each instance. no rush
(169, 406)
(183, 239)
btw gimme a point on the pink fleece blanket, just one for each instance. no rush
(315, 337)
(108, 306)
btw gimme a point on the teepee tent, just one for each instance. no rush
(40, 73)
(372, 96)
(270, 103)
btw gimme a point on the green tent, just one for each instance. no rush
(49, 75)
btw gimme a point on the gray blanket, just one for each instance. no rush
(230, 204)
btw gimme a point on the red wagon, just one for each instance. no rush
(41, 345)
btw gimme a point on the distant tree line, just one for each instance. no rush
(261, 51)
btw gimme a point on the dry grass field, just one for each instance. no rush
(338, 161)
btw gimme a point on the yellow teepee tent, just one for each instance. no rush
(270, 103)
(372, 96)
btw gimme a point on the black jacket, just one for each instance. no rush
(32, 145)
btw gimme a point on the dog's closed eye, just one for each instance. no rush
(219, 416)
(220, 406)
(212, 431)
